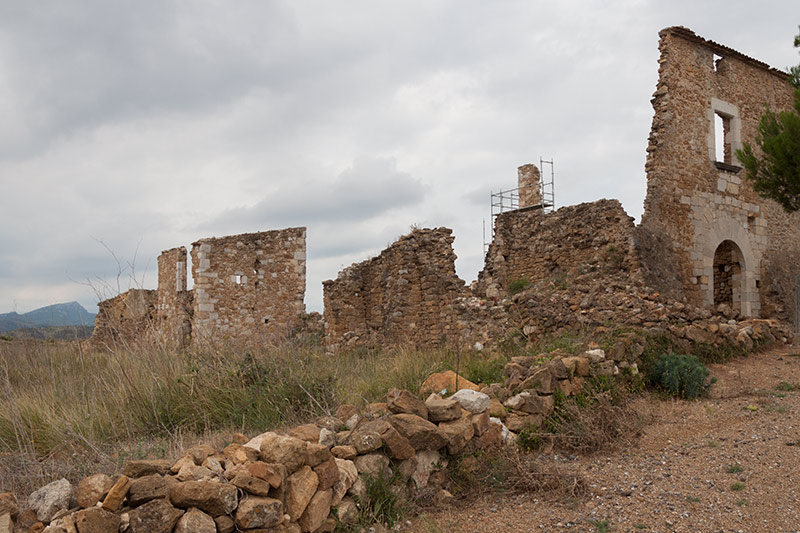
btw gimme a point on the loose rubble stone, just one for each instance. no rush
(288, 451)
(195, 521)
(96, 520)
(306, 432)
(212, 497)
(458, 433)
(200, 453)
(135, 469)
(50, 499)
(257, 512)
(317, 453)
(348, 473)
(91, 490)
(441, 410)
(8, 504)
(472, 401)
(446, 381)
(301, 486)
(372, 464)
(225, 524)
(402, 401)
(156, 516)
(316, 511)
(421, 434)
(116, 494)
(427, 462)
(251, 484)
(327, 473)
(344, 452)
(147, 488)
(6, 523)
(531, 403)
(272, 473)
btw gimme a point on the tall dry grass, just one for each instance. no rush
(65, 408)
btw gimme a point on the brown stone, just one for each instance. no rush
(215, 498)
(577, 366)
(316, 454)
(156, 516)
(531, 403)
(252, 484)
(348, 473)
(244, 454)
(327, 473)
(225, 524)
(347, 511)
(480, 423)
(441, 410)
(492, 438)
(96, 520)
(446, 381)
(181, 463)
(192, 472)
(89, 491)
(316, 511)
(199, 453)
(496, 409)
(372, 464)
(259, 513)
(116, 494)
(420, 433)
(516, 421)
(458, 433)
(134, 469)
(402, 401)
(301, 486)
(147, 488)
(345, 411)
(540, 380)
(344, 451)
(195, 521)
(397, 446)
(306, 432)
(288, 451)
(272, 473)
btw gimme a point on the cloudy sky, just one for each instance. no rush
(131, 127)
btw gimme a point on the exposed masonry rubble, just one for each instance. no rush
(247, 287)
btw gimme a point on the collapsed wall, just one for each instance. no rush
(530, 246)
(250, 285)
(405, 295)
(731, 247)
(123, 319)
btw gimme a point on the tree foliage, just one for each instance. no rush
(774, 169)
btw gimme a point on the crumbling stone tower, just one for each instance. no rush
(730, 246)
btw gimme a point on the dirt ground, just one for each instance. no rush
(730, 462)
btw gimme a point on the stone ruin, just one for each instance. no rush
(707, 244)
(248, 286)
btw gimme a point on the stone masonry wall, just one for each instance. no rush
(125, 318)
(174, 307)
(249, 285)
(532, 246)
(403, 296)
(696, 202)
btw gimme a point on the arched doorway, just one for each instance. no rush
(728, 275)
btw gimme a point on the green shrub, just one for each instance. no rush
(380, 502)
(518, 285)
(683, 376)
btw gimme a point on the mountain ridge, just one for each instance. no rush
(62, 314)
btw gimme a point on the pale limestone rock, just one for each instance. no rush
(50, 499)
(473, 401)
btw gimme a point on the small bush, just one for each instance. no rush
(380, 503)
(518, 285)
(682, 376)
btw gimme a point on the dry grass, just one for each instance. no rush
(66, 410)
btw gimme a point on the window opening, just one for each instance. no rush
(722, 138)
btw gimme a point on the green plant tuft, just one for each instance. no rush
(518, 285)
(682, 376)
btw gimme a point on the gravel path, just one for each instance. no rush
(727, 463)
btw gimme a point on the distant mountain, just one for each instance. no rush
(69, 314)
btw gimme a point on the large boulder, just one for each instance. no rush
(50, 499)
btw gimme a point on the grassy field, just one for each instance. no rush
(65, 409)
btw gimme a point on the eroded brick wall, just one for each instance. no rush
(406, 295)
(695, 202)
(532, 246)
(249, 286)
(125, 319)
(174, 302)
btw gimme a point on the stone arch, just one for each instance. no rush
(747, 300)
(728, 281)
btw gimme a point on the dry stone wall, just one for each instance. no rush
(405, 295)
(698, 200)
(250, 285)
(125, 318)
(530, 246)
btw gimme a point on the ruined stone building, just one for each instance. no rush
(249, 286)
(707, 243)
(729, 246)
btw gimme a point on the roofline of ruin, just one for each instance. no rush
(722, 50)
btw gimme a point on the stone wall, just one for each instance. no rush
(125, 318)
(406, 295)
(249, 286)
(696, 202)
(530, 246)
(174, 307)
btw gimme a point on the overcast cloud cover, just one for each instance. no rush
(127, 128)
